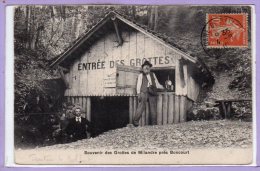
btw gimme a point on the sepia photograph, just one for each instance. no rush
(133, 84)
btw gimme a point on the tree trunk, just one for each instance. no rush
(77, 24)
(155, 18)
(53, 18)
(27, 24)
(63, 12)
(134, 12)
(33, 29)
(150, 17)
(38, 35)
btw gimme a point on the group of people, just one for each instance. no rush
(146, 88)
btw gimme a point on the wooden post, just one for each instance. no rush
(88, 108)
(119, 38)
(185, 77)
(135, 106)
(140, 120)
(84, 104)
(77, 100)
(177, 110)
(72, 100)
(170, 108)
(80, 101)
(165, 108)
(143, 116)
(147, 114)
(178, 87)
(173, 105)
(224, 108)
(229, 104)
(183, 109)
(131, 109)
(159, 109)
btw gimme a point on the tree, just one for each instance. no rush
(153, 18)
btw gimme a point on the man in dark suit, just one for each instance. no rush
(77, 127)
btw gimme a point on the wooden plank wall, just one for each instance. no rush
(193, 87)
(171, 109)
(135, 48)
(185, 84)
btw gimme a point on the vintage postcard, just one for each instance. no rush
(133, 84)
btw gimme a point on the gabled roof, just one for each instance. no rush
(153, 35)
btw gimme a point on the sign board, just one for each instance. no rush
(110, 80)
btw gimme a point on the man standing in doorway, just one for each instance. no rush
(146, 88)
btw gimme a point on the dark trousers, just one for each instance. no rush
(141, 106)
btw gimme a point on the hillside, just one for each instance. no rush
(199, 134)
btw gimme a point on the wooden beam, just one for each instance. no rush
(73, 100)
(147, 110)
(177, 110)
(80, 101)
(119, 37)
(165, 109)
(131, 109)
(182, 109)
(88, 108)
(143, 117)
(135, 106)
(159, 109)
(84, 104)
(171, 109)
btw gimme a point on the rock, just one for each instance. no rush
(203, 113)
(196, 134)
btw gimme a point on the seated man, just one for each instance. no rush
(77, 126)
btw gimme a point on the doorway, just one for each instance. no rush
(108, 113)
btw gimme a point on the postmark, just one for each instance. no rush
(227, 30)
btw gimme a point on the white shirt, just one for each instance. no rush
(140, 80)
(78, 119)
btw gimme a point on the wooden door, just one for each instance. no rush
(126, 78)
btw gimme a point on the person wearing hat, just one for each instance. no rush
(147, 85)
(77, 127)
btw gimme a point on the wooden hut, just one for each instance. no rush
(102, 65)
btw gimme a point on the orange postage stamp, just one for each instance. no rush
(227, 30)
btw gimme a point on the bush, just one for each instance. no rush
(203, 113)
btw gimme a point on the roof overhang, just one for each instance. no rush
(111, 16)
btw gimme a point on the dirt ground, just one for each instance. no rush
(194, 134)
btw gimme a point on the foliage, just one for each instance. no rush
(203, 113)
(29, 75)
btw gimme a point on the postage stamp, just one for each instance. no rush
(227, 30)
